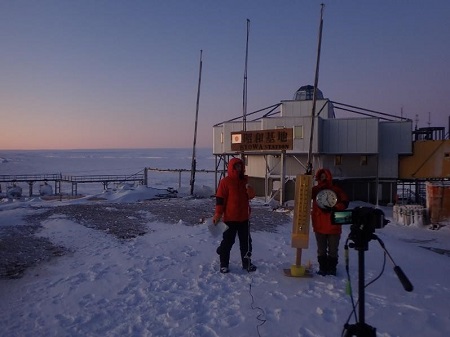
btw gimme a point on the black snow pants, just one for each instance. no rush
(242, 229)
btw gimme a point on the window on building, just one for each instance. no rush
(298, 132)
(363, 161)
(337, 160)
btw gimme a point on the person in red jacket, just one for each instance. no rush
(327, 234)
(232, 203)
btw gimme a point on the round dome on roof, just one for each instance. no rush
(306, 93)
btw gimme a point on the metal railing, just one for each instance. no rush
(30, 177)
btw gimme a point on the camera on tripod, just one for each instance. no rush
(368, 218)
(364, 221)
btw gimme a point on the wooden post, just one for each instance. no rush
(298, 257)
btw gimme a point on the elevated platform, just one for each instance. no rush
(57, 179)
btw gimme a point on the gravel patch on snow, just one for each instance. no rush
(21, 248)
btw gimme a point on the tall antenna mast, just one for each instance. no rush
(316, 82)
(194, 159)
(244, 93)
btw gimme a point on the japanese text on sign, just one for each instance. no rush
(276, 139)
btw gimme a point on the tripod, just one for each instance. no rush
(361, 235)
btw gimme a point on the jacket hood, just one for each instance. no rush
(231, 171)
(329, 177)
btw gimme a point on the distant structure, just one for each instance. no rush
(363, 153)
(306, 92)
(14, 192)
(430, 157)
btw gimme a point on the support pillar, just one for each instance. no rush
(282, 177)
(145, 177)
(30, 188)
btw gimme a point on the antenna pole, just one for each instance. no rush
(194, 159)
(244, 94)
(316, 81)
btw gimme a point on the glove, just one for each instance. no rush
(250, 191)
(328, 209)
(216, 218)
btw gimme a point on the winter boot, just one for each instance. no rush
(224, 270)
(248, 265)
(323, 265)
(332, 265)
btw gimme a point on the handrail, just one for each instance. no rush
(102, 178)
(29, 177)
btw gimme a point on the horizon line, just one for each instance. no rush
(108, 148)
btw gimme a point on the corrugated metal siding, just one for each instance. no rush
(296, 108)
(351, 136)
(395, 139)
(304, 108)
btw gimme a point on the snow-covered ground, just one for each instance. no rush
(115, 263)
(165, 281)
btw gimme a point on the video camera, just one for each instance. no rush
(363, 221)
(368, 217)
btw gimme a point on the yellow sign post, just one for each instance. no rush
(301, 222)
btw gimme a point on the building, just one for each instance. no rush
(424, 175)
(362, 153)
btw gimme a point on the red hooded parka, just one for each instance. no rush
(321, 219)
(233, 194)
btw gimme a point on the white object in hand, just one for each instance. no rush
(216, 229)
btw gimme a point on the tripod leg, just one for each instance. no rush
(360, 329)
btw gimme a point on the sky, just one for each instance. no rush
(75, 74)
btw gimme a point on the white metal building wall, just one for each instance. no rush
(395, 139)
(349, 136)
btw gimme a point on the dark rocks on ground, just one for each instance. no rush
(21, 248)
